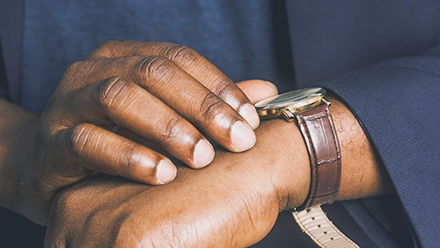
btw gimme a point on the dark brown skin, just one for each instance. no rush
(166, 93)
(124, 93)
(234, 202)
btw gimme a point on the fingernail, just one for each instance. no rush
(249, 113)
(166, 171)
(242, 136)
(203, 154)
(273, 86)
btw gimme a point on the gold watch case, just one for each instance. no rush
(286, 105)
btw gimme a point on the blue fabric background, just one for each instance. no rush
(398, 104)
(237, 36)
(396, 100)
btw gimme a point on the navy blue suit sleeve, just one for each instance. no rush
(397, 102)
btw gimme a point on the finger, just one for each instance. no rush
(100, 150)
(257, 90)
(116, 101)
(185, 95)
(136, 138)
(192, 63)
(204, 109)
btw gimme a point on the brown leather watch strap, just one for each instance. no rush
(319, 134)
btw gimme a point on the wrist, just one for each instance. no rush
(362, 173)
(283, 147)
(245, 192)
(308, 108)
(16, 163)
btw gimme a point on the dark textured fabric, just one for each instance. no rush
(237, 36)
(334, 37)
(4, 87)
(395, 100)
(11, 30)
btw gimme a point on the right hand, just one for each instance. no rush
(166, 93)
(233, 203)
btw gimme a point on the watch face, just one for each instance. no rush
(293, 100)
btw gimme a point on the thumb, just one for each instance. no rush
(257, 90)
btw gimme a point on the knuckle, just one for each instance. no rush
(128, 43)
(106, 49)
(110, 43)
(173, 131)
(114, 48)
(110, 47)
(222, 88)
(111, 92)
(154, 69)
(181, 54)
(78, 138)
(74, 68)
(210, 107)
(130, 160)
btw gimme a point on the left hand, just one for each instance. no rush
(165, 93)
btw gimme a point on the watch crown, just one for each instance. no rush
(287, 115)
(326, 101)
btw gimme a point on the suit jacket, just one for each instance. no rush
(392, 86)
(381, 59)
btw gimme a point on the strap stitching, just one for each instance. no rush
(314, 164)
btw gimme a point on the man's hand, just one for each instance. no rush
(161, 92)
(232, 203)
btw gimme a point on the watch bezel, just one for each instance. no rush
(293, 101)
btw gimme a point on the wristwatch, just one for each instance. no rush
(309, 109)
